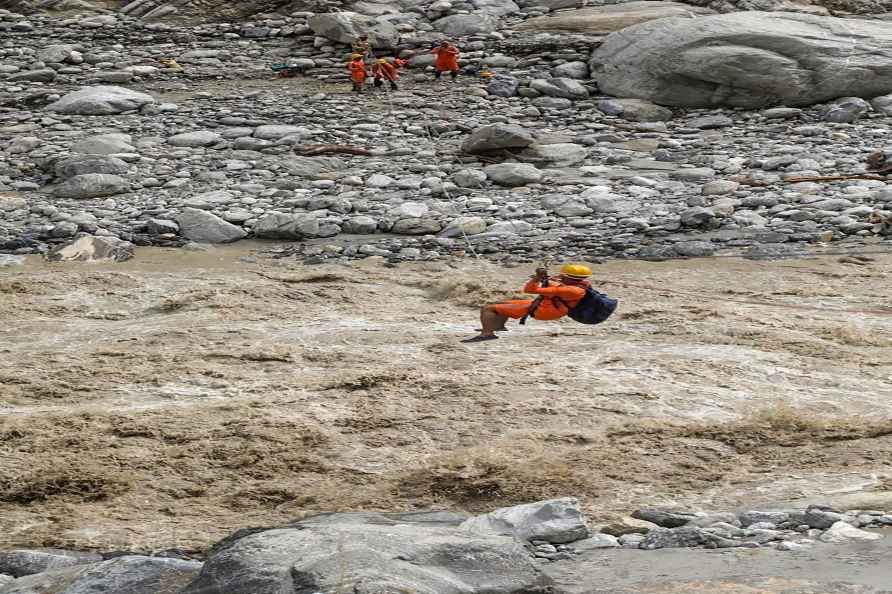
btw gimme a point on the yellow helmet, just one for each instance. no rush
(382, 61)
(355, 56)
(576, 270)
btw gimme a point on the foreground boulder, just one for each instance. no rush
(87, 248)
(22, 562)
(346, 554)
(131, 574)
(555, 521)
(747, 59)
(101, 100)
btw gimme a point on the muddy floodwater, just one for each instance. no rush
(166, 401)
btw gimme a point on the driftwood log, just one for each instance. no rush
(808, 178)
(310, 150)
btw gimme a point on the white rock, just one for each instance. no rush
(379, 180)
(513, 174)
(554, 521)
(197, 139)
(100, 100)
(841, 532)
(409, 210)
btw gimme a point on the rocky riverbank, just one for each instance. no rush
(535, 160)
(501, 552)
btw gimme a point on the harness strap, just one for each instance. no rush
(532, 310)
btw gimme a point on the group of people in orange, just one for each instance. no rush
(388, 71)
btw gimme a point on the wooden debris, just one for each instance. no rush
(309, 150)
(796, 180)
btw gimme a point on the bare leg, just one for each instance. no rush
(490, 321)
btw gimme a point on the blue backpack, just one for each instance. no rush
(594, 308)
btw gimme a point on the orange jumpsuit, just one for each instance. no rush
(550, 308)
(357, 71)
(447, 59)
(385, 71)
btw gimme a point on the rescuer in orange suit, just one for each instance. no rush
(384, 70)
(357, 72)
(554, 301)
(447, 60)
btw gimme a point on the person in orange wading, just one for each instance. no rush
(358, 72)
(385, 71)
(570, 294)
(447, 60)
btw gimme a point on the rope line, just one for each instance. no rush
(427, 126)
(881, 312)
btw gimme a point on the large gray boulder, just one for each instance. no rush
(202, 226)
(80, 164)
(841, 532)
(883, 104)
(22, 562)
(278, 131)
(502, 85)
(104, 144)
(44, 75)
(560, 87)
(345, 27)
(497, 8)
(416, 226)
(556, 521)
(345, 555)
(91, 185)
(199, 138)
(847, 110)
(746, 59)
(101, 100)
(635, 110)
(280, 225)
(575, 70)
(313, 167)
(513, 175)
(56, 54)
(497, 137)
(130, 574)
(674, 538)
(602, 20)
(461, 25)
(361, 225)
(565, 154)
